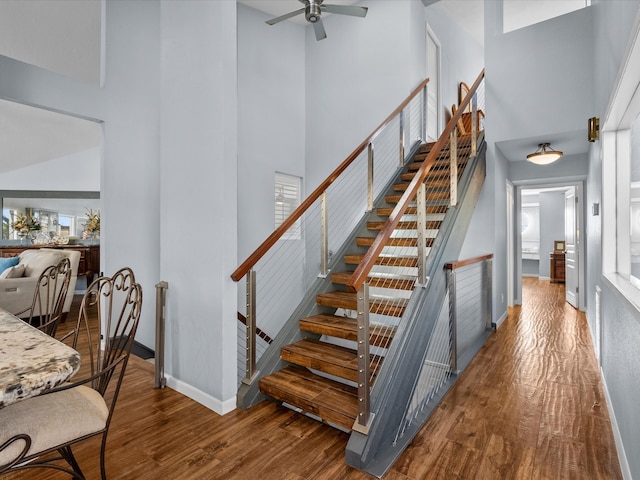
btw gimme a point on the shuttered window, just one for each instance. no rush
(287, 199)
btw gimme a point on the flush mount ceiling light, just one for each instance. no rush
(544, 155)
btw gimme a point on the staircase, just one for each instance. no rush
(321, 368)
(368, 347)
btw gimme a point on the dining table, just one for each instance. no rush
(31, 362)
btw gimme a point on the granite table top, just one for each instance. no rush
(31, 362)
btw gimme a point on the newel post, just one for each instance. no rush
(363, 421)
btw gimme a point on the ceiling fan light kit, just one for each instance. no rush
(544, 155)
(313, 11)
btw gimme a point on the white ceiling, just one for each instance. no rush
(30, 135)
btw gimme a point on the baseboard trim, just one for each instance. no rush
(502, 318)
(622, 457)
(221, 407)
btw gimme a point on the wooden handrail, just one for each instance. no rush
(468, 261)
(259, 252)
(362, 271)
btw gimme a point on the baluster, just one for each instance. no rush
(324, 236)
(487, 291)
(362, 422)
(161, 301)
(424, 113)
(453, 153)
(421, 204)
(453, 320)
(401, 149)
(250, 370)
(474, 125)
(370, 179)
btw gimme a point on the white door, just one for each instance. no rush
(433, 87)
(571, 238)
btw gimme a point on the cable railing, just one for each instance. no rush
(465, 315)
(281, 276)
(401, 248)
(284, 268)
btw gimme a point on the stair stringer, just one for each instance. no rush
(270, 361)
(394, 386)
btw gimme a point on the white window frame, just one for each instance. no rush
(615, 153)
(287, 197)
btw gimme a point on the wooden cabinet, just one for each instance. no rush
(556, 267)
(88, 265)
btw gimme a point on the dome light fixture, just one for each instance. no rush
(544, 155)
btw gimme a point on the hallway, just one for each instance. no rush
(530, 406)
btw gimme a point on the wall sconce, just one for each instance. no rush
(593, 130)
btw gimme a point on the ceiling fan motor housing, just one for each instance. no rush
(312, 11)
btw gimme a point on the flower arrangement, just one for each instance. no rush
(23, 224)
(93, 221)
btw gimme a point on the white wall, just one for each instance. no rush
(271, 118)
(198, 204)
(614, 23)
(164, 198)
(462, 57)
(540, 76)
(357, 76)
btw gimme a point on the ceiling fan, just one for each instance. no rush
(312, 11)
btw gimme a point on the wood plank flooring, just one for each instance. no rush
(530, 406)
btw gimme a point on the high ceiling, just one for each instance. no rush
(30, 135)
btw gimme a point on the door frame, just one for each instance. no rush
(516, 258)
(429, 33)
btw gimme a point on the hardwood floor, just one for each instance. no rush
(530, 406)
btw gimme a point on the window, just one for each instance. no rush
(620, 154)
(634, 203)
(522, 13)
(287, 199)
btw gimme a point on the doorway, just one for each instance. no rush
(542, 218)
(433, 87)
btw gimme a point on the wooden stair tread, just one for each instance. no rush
(346, 328)
(325, 357)
(404, 225)
(395, 261)
(431, 210)
(438, 166)
(334, 402)
(394, 242)
(439, 194)
(445, 152)
(393, 307)
(395, 282)
(463, 140)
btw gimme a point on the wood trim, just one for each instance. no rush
(362, 271)
(469, 261)
(245, 266)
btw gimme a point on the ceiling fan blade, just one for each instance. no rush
(345, 10)
(318, 28)
(273, 21)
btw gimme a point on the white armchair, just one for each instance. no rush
(16, 294)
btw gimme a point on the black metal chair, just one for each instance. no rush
(50, 294)
(57, 420)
